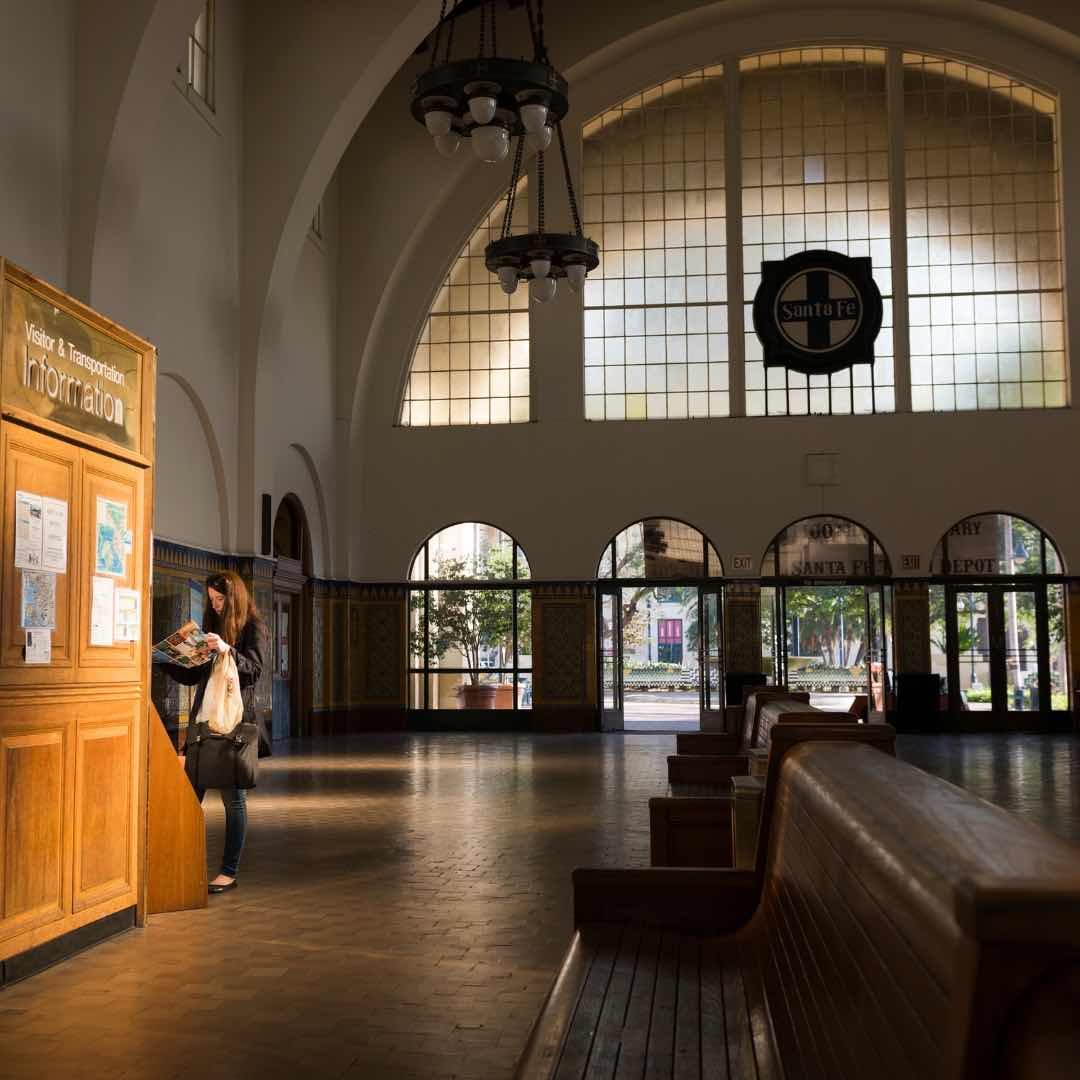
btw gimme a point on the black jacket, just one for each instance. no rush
(248, 652)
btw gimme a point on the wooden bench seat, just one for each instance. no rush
(704, 821)
(898, 928)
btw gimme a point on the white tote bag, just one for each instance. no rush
(222, 705)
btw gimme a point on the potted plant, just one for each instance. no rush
(468, 620)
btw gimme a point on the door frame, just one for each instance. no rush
(290, 580)
(1000, 714)
(612, 719)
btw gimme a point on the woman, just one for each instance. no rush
(232, 625)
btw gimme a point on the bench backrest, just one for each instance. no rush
(752, 710)
(789, 711)
(902, 922)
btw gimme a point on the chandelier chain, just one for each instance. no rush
(450, 34)
(540, 192)
(483, 27)
(438, 35)
(536, 31)
(511, 195)
(569, 182)
(494, 47)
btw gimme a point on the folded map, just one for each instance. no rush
(187, 647)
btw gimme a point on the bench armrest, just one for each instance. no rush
(715, 900)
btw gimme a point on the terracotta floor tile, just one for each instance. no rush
(404, 904)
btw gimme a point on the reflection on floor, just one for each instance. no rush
(405, 902)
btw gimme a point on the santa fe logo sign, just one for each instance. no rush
(817, 312)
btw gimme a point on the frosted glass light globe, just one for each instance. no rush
(539, 140)
(490, 143)
(508, 279)
(540, 267)
(533, 117)
(543, 289)
(575, 275)
(438, 122)
(482, 108)
(448, 144)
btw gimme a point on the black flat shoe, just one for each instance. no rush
(214, 889)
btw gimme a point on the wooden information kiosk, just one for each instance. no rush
(76, 453)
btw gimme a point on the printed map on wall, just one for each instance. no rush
(112, 537)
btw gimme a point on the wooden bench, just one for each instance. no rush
(899, 927)
(715, 823)
(741, 739)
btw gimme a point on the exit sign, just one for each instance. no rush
(910, 562)
(742, 562)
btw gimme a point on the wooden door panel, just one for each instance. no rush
(33, 768)
(104, 790)
(116, 481)
(42, 466)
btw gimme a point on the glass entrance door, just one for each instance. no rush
(1000, 654)
(829, 642)
(710, 649)
(611, 665)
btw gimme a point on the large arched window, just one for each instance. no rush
(656, 309)
(826, 612)
(660, 627)
(997, 619)
(846, 148)
(659, 548)
(471, 363)
(470, 639)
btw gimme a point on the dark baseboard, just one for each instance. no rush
(25, 964)
(982, 723)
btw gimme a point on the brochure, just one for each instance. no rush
(187, 647)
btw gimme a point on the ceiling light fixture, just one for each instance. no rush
(488, 98)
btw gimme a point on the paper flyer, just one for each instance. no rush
(39, 646)
(28, 530)
(111, 530)
(102, 604)
(127, 615)
(187, 647)
(55, 530)
(38, 608)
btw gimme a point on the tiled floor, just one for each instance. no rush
(404, 904)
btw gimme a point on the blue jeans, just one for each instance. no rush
(235, 802)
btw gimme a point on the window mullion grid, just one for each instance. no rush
(733, 232)
(894, 75)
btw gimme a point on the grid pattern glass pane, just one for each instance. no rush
(656, 309)
(471, 364)
(983, 240)
(815, 174)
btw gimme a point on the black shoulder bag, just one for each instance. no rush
(223, 761)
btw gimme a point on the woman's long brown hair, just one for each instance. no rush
(237, 610)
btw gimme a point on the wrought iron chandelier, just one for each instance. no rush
(541, 257)
(488, 98)
(492, 100)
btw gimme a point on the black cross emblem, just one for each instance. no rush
(814, 332)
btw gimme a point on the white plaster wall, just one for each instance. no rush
(563, 486)
(185, 495)
(302, 380)
(35, 134)
(182, 282)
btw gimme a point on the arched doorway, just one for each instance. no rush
(660, 616)
(470, 628)
(997, 624)
(826, 612)
(291, 614)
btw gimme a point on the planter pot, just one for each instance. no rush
(476, 697)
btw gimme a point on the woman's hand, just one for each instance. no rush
(216, 643)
